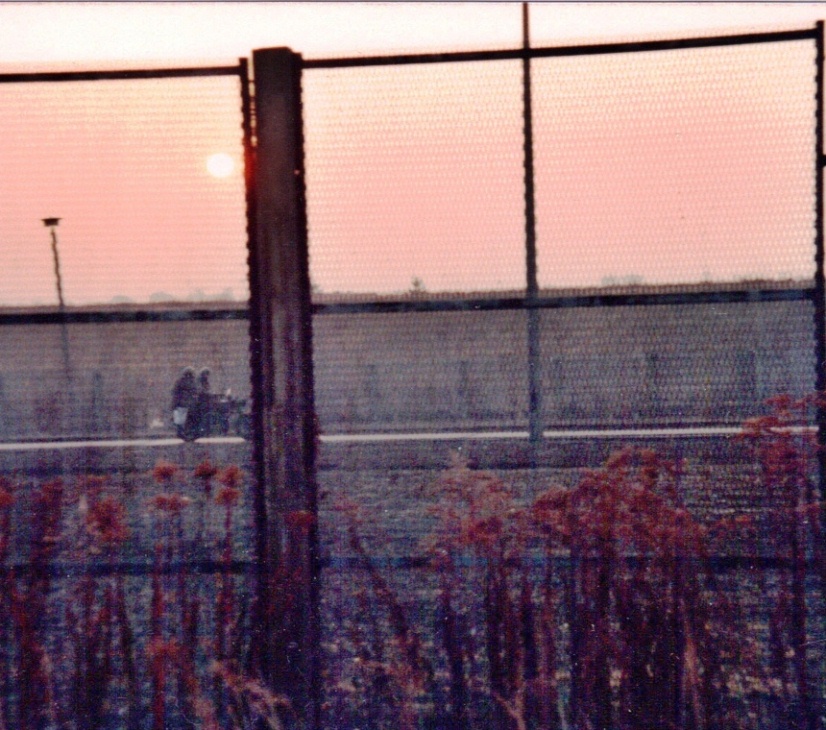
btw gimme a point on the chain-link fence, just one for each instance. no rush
(521, 262)
(126, 555)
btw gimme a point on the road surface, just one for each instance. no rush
(365, 438)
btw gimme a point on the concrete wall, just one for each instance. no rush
(618, 365)
(406, 371)
(121, 374)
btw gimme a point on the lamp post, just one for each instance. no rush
(51, 224)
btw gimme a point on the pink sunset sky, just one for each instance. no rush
(670, 166)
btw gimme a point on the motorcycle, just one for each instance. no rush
(213, 415)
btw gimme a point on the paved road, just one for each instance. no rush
(365, 438)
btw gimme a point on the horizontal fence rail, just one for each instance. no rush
(118, 75)
(715, 564)
(723, 296)
(596, 49)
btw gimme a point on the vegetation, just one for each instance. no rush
(86, 644)
(605, 604)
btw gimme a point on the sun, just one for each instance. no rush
(220, 164)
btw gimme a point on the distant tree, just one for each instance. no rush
(161, 296)
(626, 280)
(417, 286)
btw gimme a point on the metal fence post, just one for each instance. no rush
(282, 371)
(820, 286)
(535, 421)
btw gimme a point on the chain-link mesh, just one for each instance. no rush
(144, 179)
(122, 547)
(673, 365)
(121, 375)
(654, 171)
(423, 371)
(414, 178)
(676, 166)
(148, 213)
(675, 196)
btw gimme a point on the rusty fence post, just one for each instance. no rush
(281, 359)
(820, 276)
(535, 409)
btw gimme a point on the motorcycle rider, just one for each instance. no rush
(184, 402)
(203, 406)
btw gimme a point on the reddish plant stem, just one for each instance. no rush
(157, 660)
(127, 653)
(452, 643)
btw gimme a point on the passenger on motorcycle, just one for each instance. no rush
(202, 416)
(184, 403)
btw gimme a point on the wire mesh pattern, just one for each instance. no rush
(148, 211)
(414, 178)
(675, 166)
(675, 199)
(654, 172)
(143, 173)
(106, 520)
(120, 375)
(474, 556)
(450, 369)
(673, 365)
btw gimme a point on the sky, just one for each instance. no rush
(669, 167)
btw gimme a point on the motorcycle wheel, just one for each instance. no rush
(243, 426)
(186, 432)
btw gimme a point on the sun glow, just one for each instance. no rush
(220, 165)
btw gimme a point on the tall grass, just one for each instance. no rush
(86, 646)
(604, 603)
(607, 604)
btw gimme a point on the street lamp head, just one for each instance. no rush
(48, 222)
